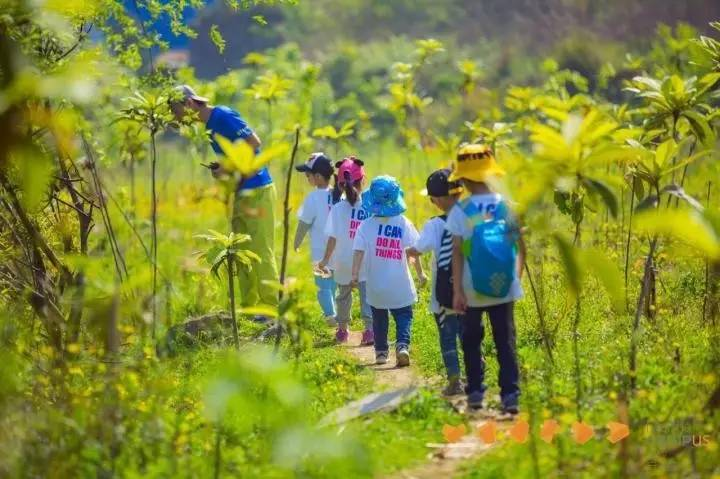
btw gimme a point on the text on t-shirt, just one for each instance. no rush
(356, 217)
(387, 244)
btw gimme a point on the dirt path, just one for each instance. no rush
(444, 460)
(447, 460)
(388, 376)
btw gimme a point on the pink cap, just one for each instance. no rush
(350, 168)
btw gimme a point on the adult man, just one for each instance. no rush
(253, 208)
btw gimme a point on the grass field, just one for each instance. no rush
(108, 218)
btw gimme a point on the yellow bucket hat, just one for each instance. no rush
(475, 162)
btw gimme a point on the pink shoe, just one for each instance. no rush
(341, 335)
(368, 338)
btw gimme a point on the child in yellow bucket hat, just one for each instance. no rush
(475, 162)
(475, 165)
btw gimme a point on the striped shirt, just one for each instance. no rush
(444, 253)
(434, 237)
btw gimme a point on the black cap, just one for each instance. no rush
(437, 184)
(317, 163)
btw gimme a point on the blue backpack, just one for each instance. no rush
(491, 250)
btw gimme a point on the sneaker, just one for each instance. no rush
(341, 335)
(381, 358)
(510, 403)
(403, 357)
(454, 387)
(331, 321)
(368, 338)
(512, 409)
(475, 400)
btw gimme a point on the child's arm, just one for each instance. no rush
(422, 277)
(413, 256)
(458, 265)
(329, 250)
(300, 232)
(357, 262)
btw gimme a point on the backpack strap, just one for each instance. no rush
(473, 213)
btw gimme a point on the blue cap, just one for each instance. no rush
(384, 197)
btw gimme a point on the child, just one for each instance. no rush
(312, 217)
(381, 242)
(436, 238)
(475, 165)
(342, 224)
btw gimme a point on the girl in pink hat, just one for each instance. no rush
(342, 224)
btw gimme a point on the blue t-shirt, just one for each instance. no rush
(228, 123)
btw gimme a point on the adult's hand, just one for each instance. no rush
(217, 171)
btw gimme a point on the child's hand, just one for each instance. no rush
(459, 300)
(322, 266)
(422, 280)
(354, 280)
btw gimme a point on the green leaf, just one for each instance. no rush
(636, 184)
(685, 226)
(217, 39)
(327, 131)
(679, 192)
(686, 161)
(707, 82)
(602, 190)
(597, 264)
(665, 151)
(260, 310)
(260, 20)
(569, 260)
(649, 202)
(700, 127)
(35, 172)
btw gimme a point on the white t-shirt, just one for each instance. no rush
(384, 240)
(314, 212)
(459, 225)
(430, 240)
(342, 224)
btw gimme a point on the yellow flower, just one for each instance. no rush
(122, 392)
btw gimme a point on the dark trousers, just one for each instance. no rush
(502, 323)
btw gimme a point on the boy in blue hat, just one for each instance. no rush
(381, 241)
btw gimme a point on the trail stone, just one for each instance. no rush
(372, 403)
(211, 328)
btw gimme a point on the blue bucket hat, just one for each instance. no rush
(384, 197)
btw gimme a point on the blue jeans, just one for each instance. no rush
(502, 323)
(326, 295)
(403, 322)
(450, 333)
